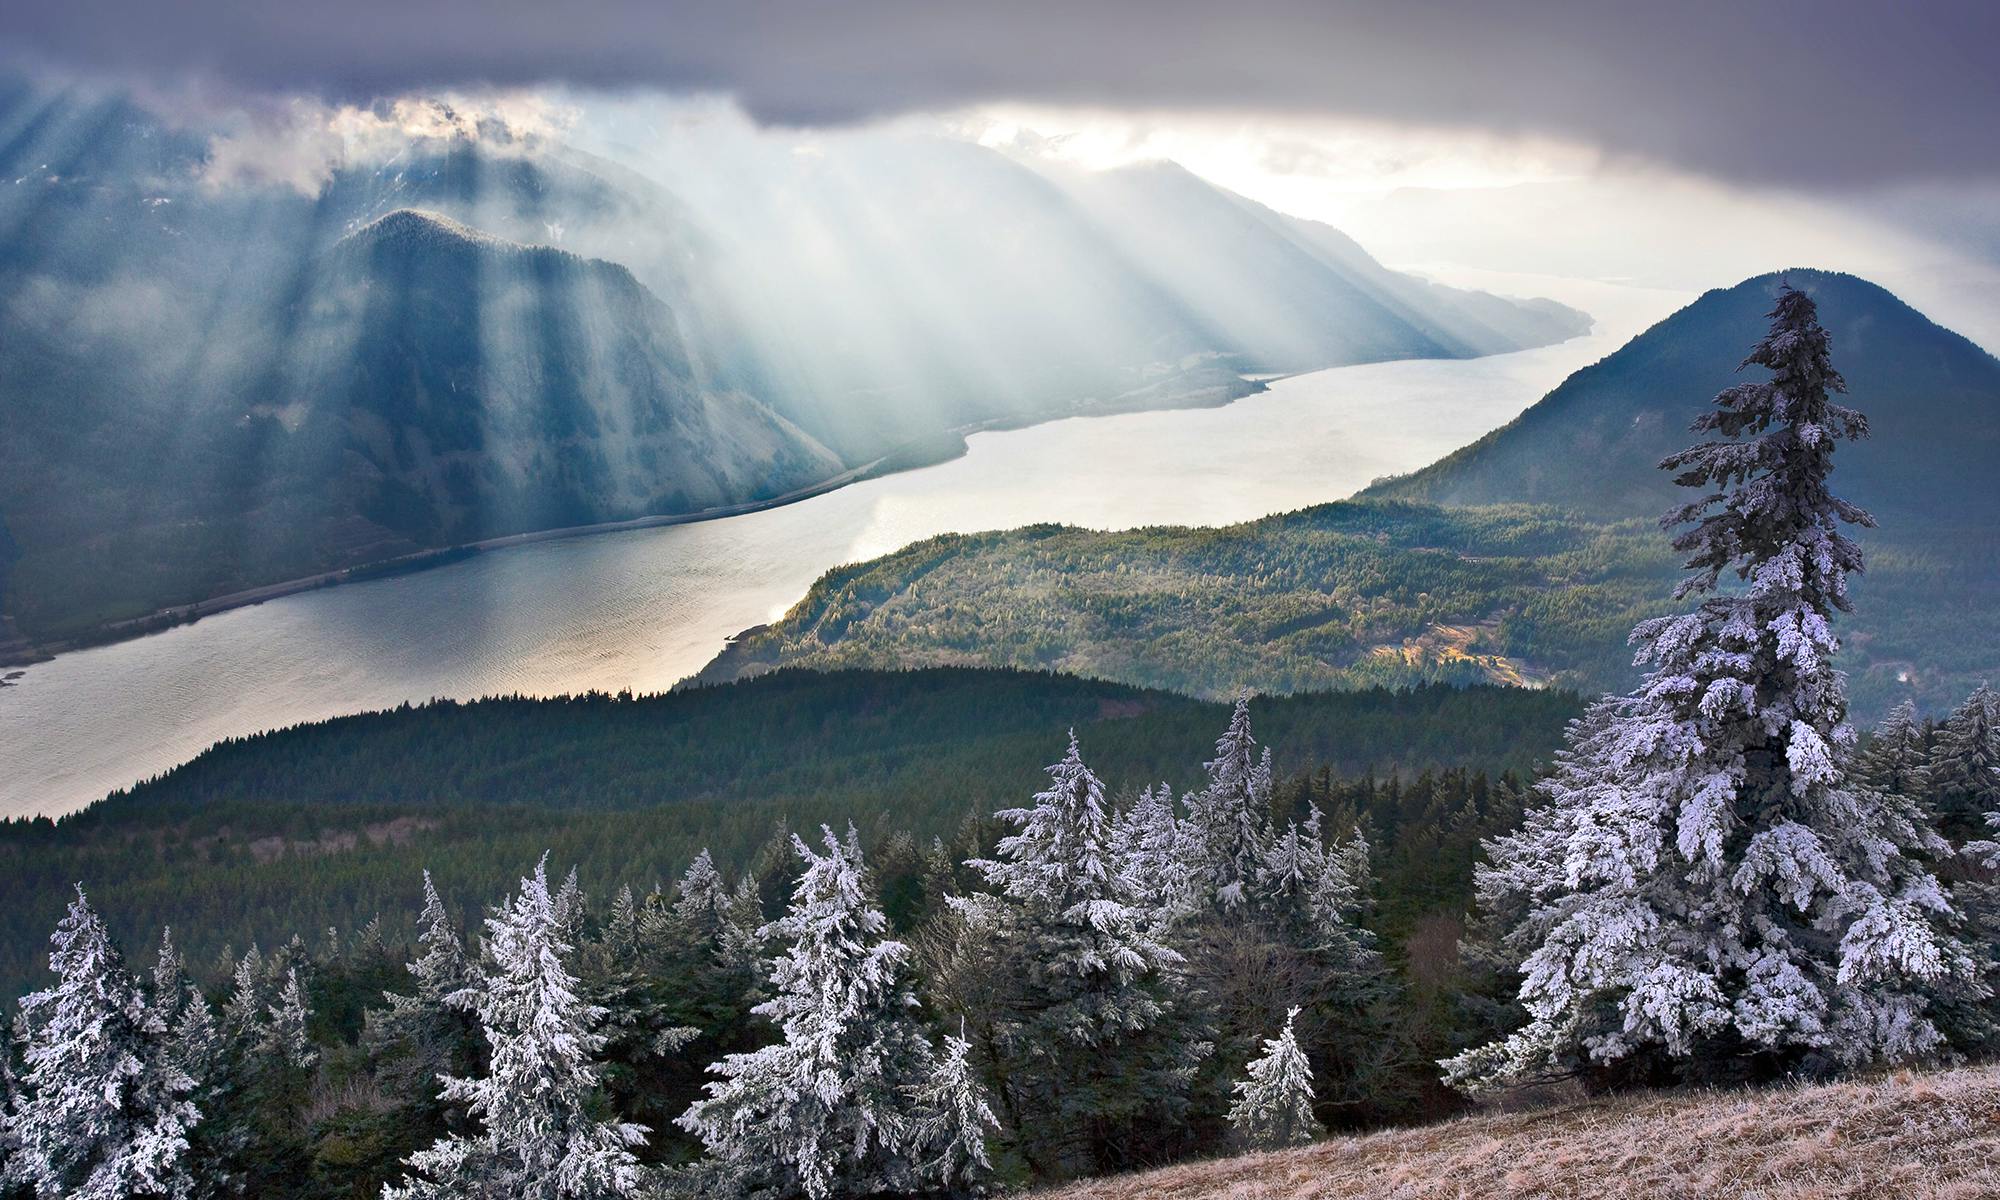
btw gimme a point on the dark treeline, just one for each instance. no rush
(330, 824)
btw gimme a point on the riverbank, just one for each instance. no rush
(17, 651)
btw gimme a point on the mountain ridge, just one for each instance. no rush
(1593, 444)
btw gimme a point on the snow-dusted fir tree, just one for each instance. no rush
(105, 1113)
(953, 1122)
(1157, 858)
(539, 1135)
(1700, 881)
(1897, 758)
(1230, 817)
(1964, 767)
(424, 1034)
(1274, 1099)
(835, 1108)
(244, 1013)
(285, 1037)
(1095, 1046)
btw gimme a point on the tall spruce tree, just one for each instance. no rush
(1274, 1100)
(105, 1113)
(430, 1031)
(1701, 886)
(1964, 767)
(838, 1107)
(1230, 817)
(540, 1136)
(1897, 757)
(1158, 857)
(1097, 1055)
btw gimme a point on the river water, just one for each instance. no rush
(643, 609)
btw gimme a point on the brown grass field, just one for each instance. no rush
(1933, 1135)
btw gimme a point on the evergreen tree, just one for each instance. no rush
(430, 1032)
(1964, 767)
(836, 1108)
(1701, 887)
(539, 1136)
(172, 986)
(1154, 848)
(13, 1178)
(1230, 817)
(1096, 1059)
(953, 1122)
(105, 1115)
(1274, 1100)
(1897, 759)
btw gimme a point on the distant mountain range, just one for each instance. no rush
(211, 385)
(1593, 445)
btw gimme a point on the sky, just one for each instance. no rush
(1684, 143)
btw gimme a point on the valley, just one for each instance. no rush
(644, 609)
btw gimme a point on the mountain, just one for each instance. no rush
(1287, 294)
(1525, 557)
(212, 383)
(1592, 445)
(420, 385)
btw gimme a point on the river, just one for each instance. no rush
(643, 609)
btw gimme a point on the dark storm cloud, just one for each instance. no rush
(1822, 91)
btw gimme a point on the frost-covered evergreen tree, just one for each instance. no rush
(1096, 1053)
(1964, 766)
(1274, 1100)
(13, 1180)
(835, 1108)
(285, 1038)
(540, 1136)
(1897, 758)
(1157, 858)
(105, 1113)
(1230, 817)
(1701, 884)
(953, 1123)
(427, 1033)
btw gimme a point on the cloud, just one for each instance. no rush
(1800, 91)
(299, 143)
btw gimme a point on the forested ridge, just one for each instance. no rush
(330, 823)
(1354, 594)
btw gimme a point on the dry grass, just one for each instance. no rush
(1904, 1135)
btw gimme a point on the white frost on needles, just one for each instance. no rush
(1701, 874)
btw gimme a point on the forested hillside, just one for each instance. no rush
(331, 823)
(1356, 594)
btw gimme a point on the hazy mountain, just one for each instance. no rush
(1289, 294)
(425, 385)
(211, 383)
(1592, 445)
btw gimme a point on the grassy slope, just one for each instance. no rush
(1935, 1136)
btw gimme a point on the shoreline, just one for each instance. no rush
(931, 450)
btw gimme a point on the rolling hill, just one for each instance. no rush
(333, 822)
